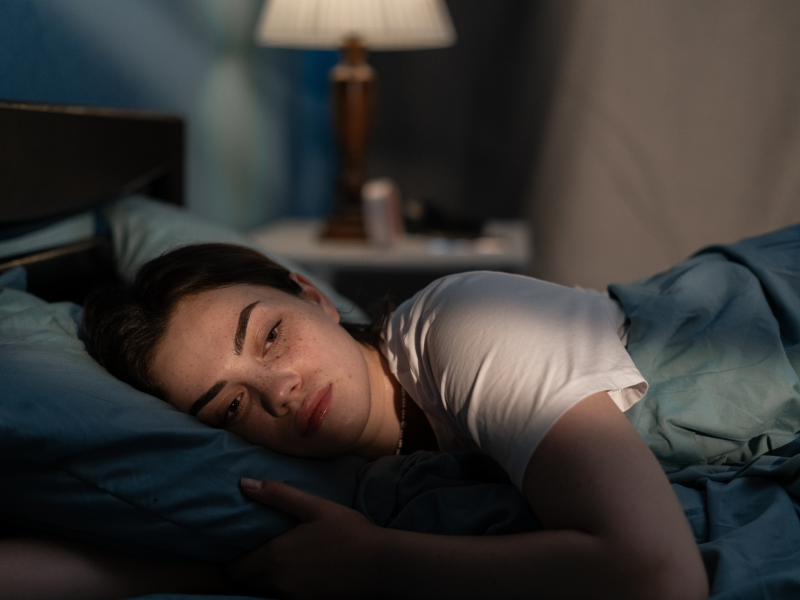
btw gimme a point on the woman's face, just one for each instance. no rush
(275, 369)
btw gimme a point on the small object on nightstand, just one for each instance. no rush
(380, 203)
(423, 216)
(489, 245)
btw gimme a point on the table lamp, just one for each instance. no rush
(353, 26)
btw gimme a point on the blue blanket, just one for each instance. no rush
(718, 339)
(744, 519)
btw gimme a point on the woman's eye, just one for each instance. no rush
(233, 407)
(230, 414)
(272, 336)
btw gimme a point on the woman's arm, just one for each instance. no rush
(614, 530)
(45, 567)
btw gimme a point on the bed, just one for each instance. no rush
(89, 194)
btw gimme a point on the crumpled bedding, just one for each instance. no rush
(452, 493)
(718, 339)
(744, 519)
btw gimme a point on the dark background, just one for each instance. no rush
(460, 127)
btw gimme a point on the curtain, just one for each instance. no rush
(673, 124)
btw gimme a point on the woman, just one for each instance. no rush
(533, 374)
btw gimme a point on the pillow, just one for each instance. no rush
(85, 455)
(143, 229)
(16, 279)
(32, 238)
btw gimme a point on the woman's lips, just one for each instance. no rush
(311, 414)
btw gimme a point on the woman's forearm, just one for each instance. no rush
(615, 527)
(546, 564)
(43, 567)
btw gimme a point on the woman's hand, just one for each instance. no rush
(326, 554)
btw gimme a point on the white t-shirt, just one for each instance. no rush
(495, 359)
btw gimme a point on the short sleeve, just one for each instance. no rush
(496, 359)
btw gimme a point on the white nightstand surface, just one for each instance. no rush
(504, 245)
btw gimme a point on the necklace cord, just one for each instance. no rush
(402, 420)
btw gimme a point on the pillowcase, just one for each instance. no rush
(32, 238)
(143, 229)
(85, 455)
(16, 279)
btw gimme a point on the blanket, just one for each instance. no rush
(744, 519)
(718, 339)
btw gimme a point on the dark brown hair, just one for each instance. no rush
(124, 323)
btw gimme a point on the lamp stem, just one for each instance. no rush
(353, 91)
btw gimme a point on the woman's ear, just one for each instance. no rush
(312, 293)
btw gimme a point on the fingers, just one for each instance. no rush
(260, 570)
(301, 505)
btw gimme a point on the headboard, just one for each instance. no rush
(59, 160)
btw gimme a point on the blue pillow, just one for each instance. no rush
(85, 455)
(16, 279)
(143, 229)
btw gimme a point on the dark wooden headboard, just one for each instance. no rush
(58, 160)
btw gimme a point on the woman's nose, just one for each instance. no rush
(282, 393)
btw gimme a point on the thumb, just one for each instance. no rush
(301, 505)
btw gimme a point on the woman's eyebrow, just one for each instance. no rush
(241, 328)
(198, 404)
(238, 343)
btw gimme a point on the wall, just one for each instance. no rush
(460, 126)
(257, 142)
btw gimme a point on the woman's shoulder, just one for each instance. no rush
(477, 297)
(481, 313)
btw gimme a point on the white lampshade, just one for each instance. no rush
(379, 24)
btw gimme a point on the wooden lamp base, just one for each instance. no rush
(353, 99)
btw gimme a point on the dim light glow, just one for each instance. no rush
(379, 24)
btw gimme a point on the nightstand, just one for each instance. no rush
(365, 274)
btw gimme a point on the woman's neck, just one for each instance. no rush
(382, 431)
(385, 414)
